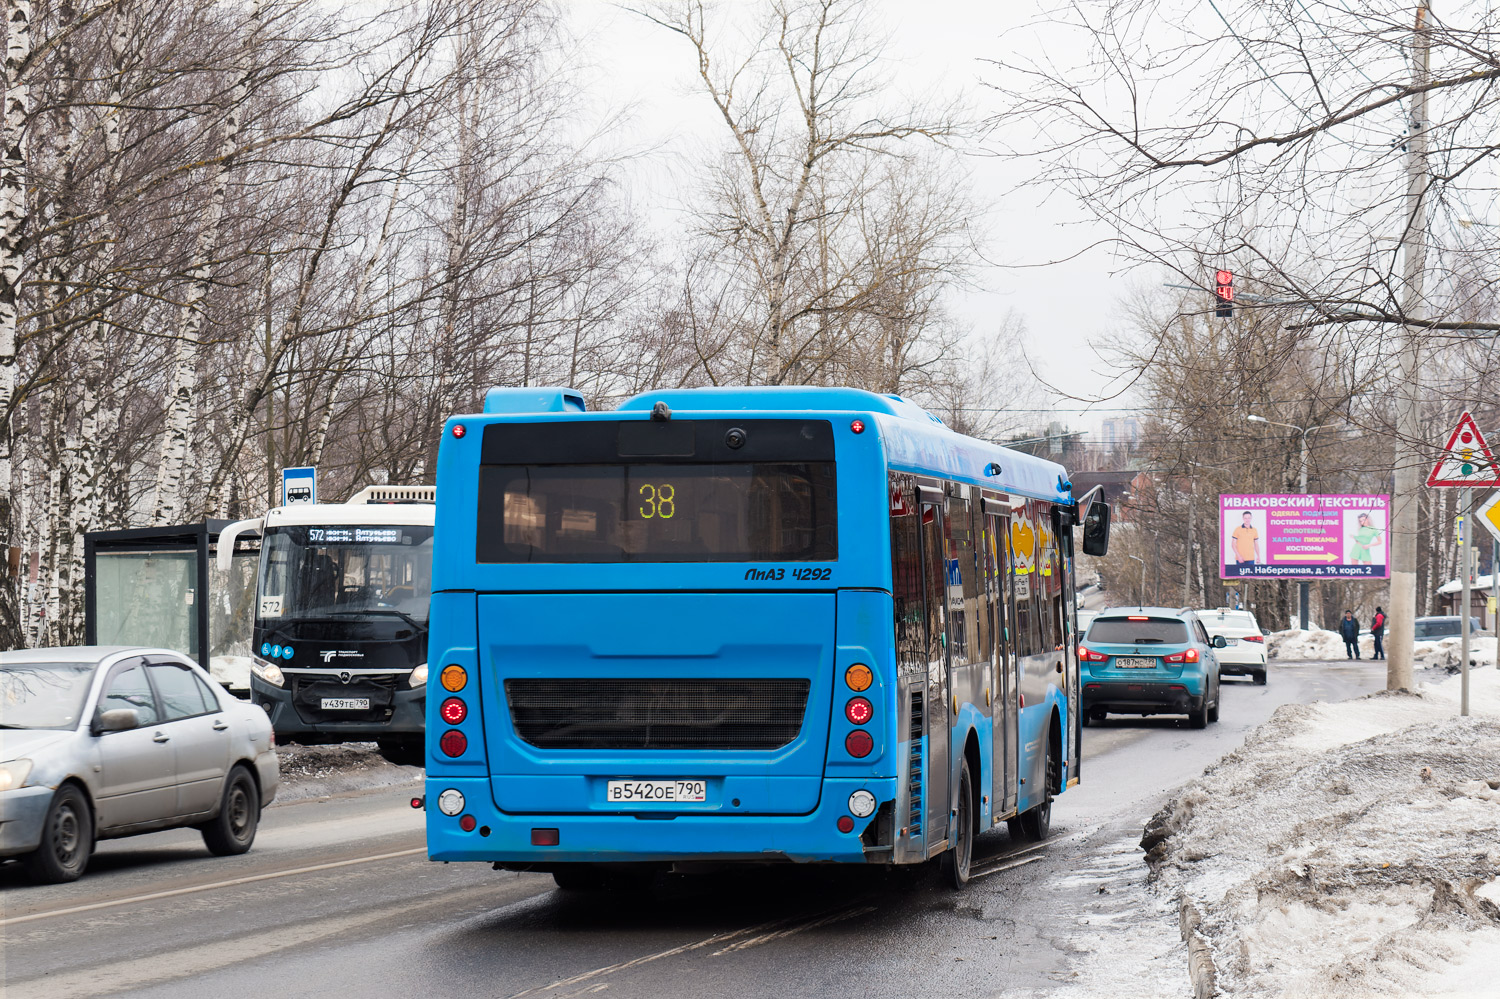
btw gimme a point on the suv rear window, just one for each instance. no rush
(1138, 631)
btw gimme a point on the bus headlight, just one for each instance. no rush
(418, 677)
(267, 671)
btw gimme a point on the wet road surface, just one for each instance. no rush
(337, 899)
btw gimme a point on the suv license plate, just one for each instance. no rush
(1129, 662)
(346, 704)
(656, 790)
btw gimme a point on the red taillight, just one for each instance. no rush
(1253, 638)
(858, 426)
(1090, 656)
(454, 711)
(1137, 617)
(545, 837)
(859, 744)
(459, 430)
(845, 824)
(859, 710)
(467, 823)
(453, 743)
(418, 802)
(1190, 656)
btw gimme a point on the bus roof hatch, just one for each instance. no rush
(537, 399)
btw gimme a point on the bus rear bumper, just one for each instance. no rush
(498, 837)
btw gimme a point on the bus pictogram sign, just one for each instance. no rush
(1468, 460)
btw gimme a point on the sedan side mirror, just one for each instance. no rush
(1219, 642)
(117, 720)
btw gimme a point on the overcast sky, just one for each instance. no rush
(938, 46)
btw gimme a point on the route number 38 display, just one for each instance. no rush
(660, 501)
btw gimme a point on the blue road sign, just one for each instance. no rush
(299, 485)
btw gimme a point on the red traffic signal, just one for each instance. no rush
(1224, 289)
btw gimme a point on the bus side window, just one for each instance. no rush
(1023, 574)
(906, 578)
(983, 580)
(962, 585)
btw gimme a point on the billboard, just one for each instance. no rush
(1319, 536)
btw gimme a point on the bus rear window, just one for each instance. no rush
(731, 512)
(1128, 631)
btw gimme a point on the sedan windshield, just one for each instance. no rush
(43, 695)
(1137, 631)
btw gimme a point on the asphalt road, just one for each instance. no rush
(337, 899)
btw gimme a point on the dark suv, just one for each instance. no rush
(1149, 661)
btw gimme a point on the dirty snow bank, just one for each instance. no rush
(1296, 643)
(313, 771)
(1348, 849)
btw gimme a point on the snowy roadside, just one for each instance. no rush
(1347, 849)
(1318, 644)
(315, 771)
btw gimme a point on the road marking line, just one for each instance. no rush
(761, 933)
(833, 917)
(248, 879)
(1005, 867)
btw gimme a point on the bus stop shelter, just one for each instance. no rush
(159, 586)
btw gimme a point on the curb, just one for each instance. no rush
(1201, 968)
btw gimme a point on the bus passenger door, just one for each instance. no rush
(1007, 746)
(1074, 742)
(935, 589)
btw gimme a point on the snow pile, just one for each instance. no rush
(232, 671)
(1448, 652)
(1297, 643)
(1348, 849)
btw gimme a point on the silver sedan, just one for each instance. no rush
(97, 742)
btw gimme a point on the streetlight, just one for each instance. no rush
(1302, 594)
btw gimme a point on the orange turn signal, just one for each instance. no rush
(859, 677)
(454, 678)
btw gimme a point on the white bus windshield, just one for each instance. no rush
(347, 573)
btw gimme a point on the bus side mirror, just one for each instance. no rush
(1096, 529)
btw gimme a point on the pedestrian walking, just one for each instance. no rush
(1349, 629)
(1377, 630)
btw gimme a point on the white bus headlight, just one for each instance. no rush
(861, 804)
(451, 801)
(267, 671)
(418, 677)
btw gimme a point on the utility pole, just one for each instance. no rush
(1466, 507)
(1408, 481)
(1187, 558)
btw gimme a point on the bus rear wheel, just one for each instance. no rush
(1035, 824)
(578, 877)
(957, 861)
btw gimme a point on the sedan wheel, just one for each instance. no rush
(233, 829)
(67, 839)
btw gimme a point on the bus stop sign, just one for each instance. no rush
(299, 485)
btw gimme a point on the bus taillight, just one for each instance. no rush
(453, 711)
(859, 744)
(859, 710)
(453, 742)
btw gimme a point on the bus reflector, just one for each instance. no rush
(459, 430)
(467, 823)
(453, 742)
(845, 824)
(454, 678)
(545, 837)
(858, 426)
(858, 677)
(859, 710)
(454, 711)
(859, 744)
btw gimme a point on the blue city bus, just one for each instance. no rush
(744, 625)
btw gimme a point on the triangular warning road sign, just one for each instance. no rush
(1468, 461)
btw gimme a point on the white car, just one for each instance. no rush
(98, 742)
(1244, 652)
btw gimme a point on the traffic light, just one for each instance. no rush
(1224, 289)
